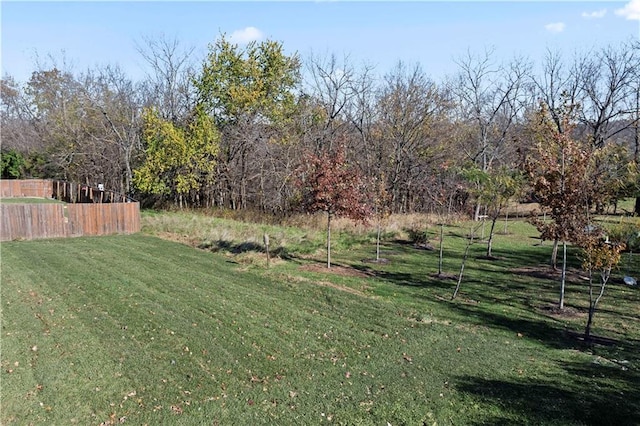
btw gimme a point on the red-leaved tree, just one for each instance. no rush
(327, 183)
(561, 176)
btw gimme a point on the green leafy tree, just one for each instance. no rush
(249, 92)
(494, 189)
(327, 183)
(12, 164)
(179, 160)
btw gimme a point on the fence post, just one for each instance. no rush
(265, 237)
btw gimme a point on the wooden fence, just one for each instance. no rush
(26, 188)
(60, 190)
(51, 220)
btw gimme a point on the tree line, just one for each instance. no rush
(238, 129)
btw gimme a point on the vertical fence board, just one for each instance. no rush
(50, 220)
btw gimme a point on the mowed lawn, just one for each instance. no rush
(140, 330)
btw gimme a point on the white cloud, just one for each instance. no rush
(630, 11)
(555, 27)
(595, 14)
(246, 35)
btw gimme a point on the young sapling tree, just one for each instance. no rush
(600, 256)
(327, 183)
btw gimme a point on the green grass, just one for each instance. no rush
(27, 200)
(148, 331)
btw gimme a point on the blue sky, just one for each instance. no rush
(379, 33)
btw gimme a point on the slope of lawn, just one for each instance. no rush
(141, 330)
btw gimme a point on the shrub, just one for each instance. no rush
(417, 236)
(628, 233)
(12, 164)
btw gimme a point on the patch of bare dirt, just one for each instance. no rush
(445, 276)
(566, 312)
(424, 246)
(341, 271)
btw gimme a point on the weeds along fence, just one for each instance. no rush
(87, 211)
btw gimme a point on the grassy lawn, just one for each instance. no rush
(143, 330)
(27, 200)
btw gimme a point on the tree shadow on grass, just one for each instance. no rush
(413, 280)
(590, 394)
(552, 335)
(228, 246)
(244, 247)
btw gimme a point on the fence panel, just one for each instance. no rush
(30, 221)
(26, 188)
(103, 219)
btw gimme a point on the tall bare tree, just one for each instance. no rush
(116, 99)
(489, 99)
(556, 87)
(409, 104)
(168, 86)
(607, 81)
(331, 87)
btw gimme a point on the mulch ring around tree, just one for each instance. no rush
(566, 312)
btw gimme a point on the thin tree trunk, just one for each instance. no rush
(490, 241)
(464, 260)
(594, 303)
(554, 255)
(441, 246)
(328, 240)
(265, 238)
(587, 331)
(564, 273)
(476, 213)
(378, 242)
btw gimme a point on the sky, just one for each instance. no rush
(434, 34)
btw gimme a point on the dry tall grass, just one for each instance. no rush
(207, 228)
